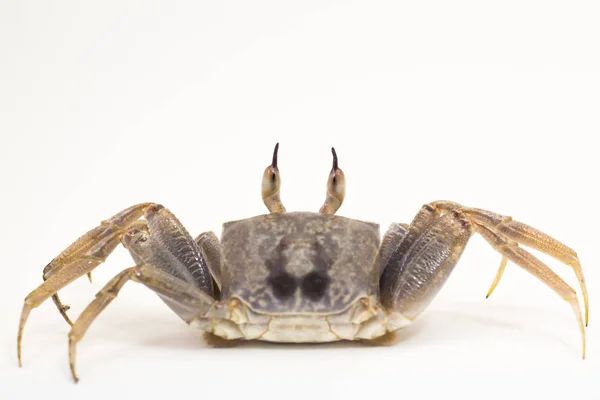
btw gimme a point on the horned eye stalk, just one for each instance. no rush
(336, 188)
(271, 185)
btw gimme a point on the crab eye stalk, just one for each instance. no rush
(271, 183)
(336, 188)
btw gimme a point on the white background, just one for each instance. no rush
(491, 104)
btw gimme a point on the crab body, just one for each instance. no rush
(298, 276)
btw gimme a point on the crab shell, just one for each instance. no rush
(300, 277)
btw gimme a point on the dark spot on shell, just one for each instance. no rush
(314, 285)
(283, 285)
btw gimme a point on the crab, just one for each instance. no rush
(296, 277)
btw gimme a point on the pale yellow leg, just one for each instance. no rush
(498, 276)
(79, 259)
(511, 250)
(527, 236)
(180, 292)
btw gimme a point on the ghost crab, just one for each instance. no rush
(297, 276)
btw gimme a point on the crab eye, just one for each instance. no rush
(283, 285)
(336, 188)
(314, 285)
(271, 183)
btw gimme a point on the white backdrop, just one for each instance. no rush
(107, 104)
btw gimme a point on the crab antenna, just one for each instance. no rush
(336, 188)
(271, 183)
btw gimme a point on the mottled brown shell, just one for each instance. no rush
(300, 262)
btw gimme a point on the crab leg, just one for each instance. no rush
(497, 277)
(527, 236)
(181, 293)
(56, 264)
(163, 240)
(391, 240)
(86, 253)
(511, 250)
(171, 248)
(94, 238)
(210, 247)
(186, 260)
(420, 265)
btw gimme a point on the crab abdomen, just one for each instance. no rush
(364, 319)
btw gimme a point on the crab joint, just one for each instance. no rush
(233, 303)
(236, 313)
(363, 311)
(366, 304)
